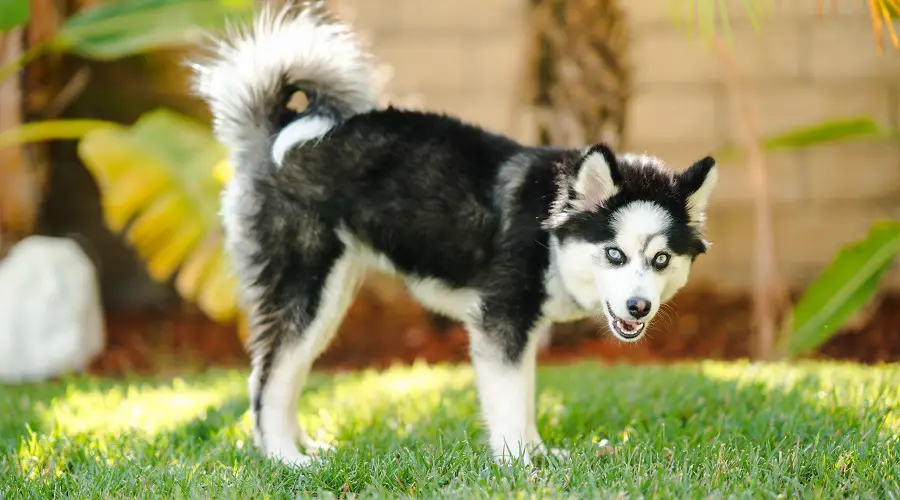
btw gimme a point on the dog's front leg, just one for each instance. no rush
(503, 359)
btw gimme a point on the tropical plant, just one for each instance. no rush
(852, 278)
(159, 178)
(707, 16)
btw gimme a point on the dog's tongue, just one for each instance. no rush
(630, 325)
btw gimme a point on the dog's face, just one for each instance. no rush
(626, 232)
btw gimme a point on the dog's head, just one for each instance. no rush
(626, 230)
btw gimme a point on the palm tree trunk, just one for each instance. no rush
(19, 189)
(578, 80)
(32, 93)
(577, 84)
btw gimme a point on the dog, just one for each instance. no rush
(503, 237)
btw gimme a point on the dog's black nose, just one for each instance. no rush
(638, 307)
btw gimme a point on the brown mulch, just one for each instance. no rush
(377, 334)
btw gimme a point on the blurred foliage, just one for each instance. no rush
(855, 273)
(160, 178)
(159, 190)
(115, 29)
(841, 290)
(13, 13)
(826, 132)
(707, 17)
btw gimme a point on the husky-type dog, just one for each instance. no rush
(503, 237)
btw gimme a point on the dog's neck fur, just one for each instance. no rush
(560, 305)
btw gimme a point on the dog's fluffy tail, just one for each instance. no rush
(253, 73)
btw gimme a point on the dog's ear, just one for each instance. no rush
(597, 177)
(697, 183)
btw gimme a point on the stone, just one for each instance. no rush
(51, 317)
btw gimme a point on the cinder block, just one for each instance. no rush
(470, 16)
(783, 108)
(844, 49)
(854, 172)
(729, 231)
(491, 110)
(661, 12)
(810, 236)
(422, 63)
(672, 114)
(373, 17)
(772, 11)
(495, 62)
(667, 55)
(785, 180)
(806, 240)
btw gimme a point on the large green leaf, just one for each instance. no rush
(13, 13)
(826, 132)
(111, 30)
(841, 290)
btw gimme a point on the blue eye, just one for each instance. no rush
(661, 260)
(615, 256)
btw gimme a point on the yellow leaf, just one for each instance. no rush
(168, 258)
(160, 183)
(223, 171)
(195, 267)
(50, 130)
(218, 295)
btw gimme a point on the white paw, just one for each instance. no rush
(316, 447)
(507, 458)
(292, 458)
(558, 453)
(541, 450)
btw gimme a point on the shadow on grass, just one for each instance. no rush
(702, 427)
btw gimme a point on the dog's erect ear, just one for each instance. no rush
(697, 183)
(598, 175)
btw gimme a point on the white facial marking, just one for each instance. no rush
(298, 132)
(605, 276)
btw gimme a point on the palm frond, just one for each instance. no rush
(709, 17)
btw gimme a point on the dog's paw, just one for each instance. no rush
(558, 453)
(293, 458)
(316, 447)
(508, 460)
(541, 450)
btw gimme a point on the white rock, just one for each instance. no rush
(51, 318)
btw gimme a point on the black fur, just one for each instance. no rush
(419, 188)
(468, 218)
(640, 178)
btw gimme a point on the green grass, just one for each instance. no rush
(694, 430)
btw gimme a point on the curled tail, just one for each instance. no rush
(253, 73)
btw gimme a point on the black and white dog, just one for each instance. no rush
(503, 237)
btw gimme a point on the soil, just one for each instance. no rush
(379, 332)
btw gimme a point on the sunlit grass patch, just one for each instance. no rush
(815, 429)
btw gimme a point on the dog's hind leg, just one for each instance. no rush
(297, 316)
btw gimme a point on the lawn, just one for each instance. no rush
(726, 429)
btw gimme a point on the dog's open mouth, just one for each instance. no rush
(628, 330)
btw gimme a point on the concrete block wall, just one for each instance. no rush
(465, 57)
